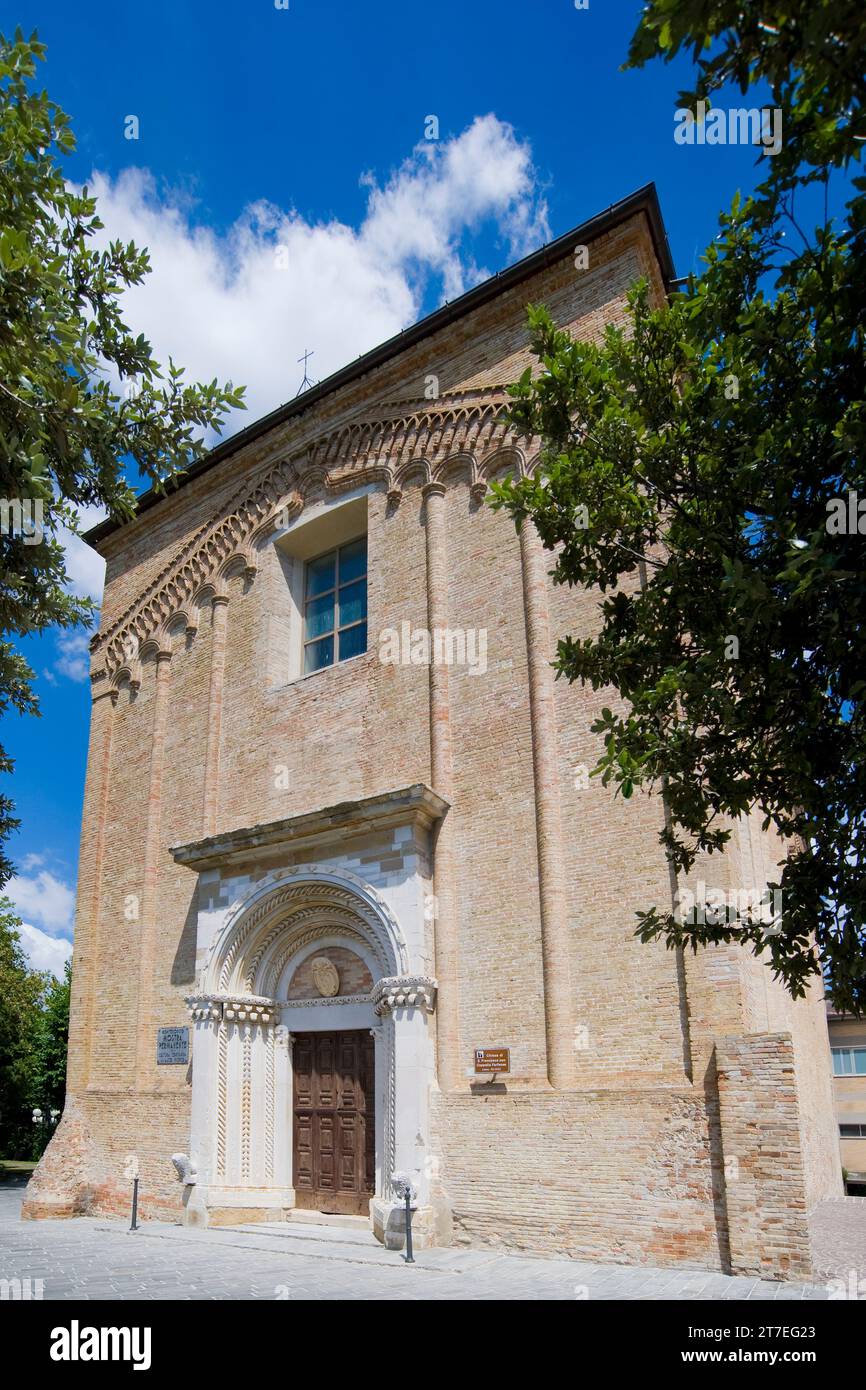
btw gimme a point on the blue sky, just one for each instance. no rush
(283, 182)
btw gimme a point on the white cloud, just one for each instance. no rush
(85, 569)
(445, 189)
(43, 898)
(74, 658)
(243, 306)
(44, 952)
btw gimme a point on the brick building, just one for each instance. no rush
(337, 825)
(848, 1050)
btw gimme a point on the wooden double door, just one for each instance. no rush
(334, 1131)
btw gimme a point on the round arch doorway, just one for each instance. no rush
(308, 1027)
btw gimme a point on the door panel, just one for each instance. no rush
(334, 1121)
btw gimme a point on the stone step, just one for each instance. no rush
(311, 1231)
(327, 1218)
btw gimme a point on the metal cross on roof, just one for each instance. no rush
(306, 383)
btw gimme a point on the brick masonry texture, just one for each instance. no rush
(636, 1074)
(766, 1189)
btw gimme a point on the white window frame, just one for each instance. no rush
(847, 1050)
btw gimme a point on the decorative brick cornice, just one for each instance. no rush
(468, 428)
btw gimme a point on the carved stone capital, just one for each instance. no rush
(202, 1008)
(478, 490)
(232, 1008)
(404, 992)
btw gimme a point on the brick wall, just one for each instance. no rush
(618, 1175)
(765, 1189)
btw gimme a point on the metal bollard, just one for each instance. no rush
(134, 1225)
(409, 1257)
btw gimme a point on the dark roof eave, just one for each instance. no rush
(642, 200)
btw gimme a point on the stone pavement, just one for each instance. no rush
(94, 1258)
(839, 1238)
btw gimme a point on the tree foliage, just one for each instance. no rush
(52, 1042)
(34, 1028)
(21, 991)
(696, 469)
(85, 409)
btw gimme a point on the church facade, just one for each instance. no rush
(351, 916)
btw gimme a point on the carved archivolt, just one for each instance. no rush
(346, 929)
(284, 914)
(462, 430)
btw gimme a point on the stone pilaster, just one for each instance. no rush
(442, 777)
(147, 945)
(404, 1004)
(558, 1010)
(210, 806)
(85, 979)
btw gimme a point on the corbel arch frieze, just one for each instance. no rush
(155, 647)
(181, 620)
(152, 650)
(128, 674)
(388, 448)
(453, 466)
(205, 595)
(504, 459)
(198, 563)
(413, 467)
(243, 562)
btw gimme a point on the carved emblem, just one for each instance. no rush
(326, 976)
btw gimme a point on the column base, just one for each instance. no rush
(234, 1206)
(431, 1224)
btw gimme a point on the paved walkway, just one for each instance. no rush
(93, 1258)
(839, 1238)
